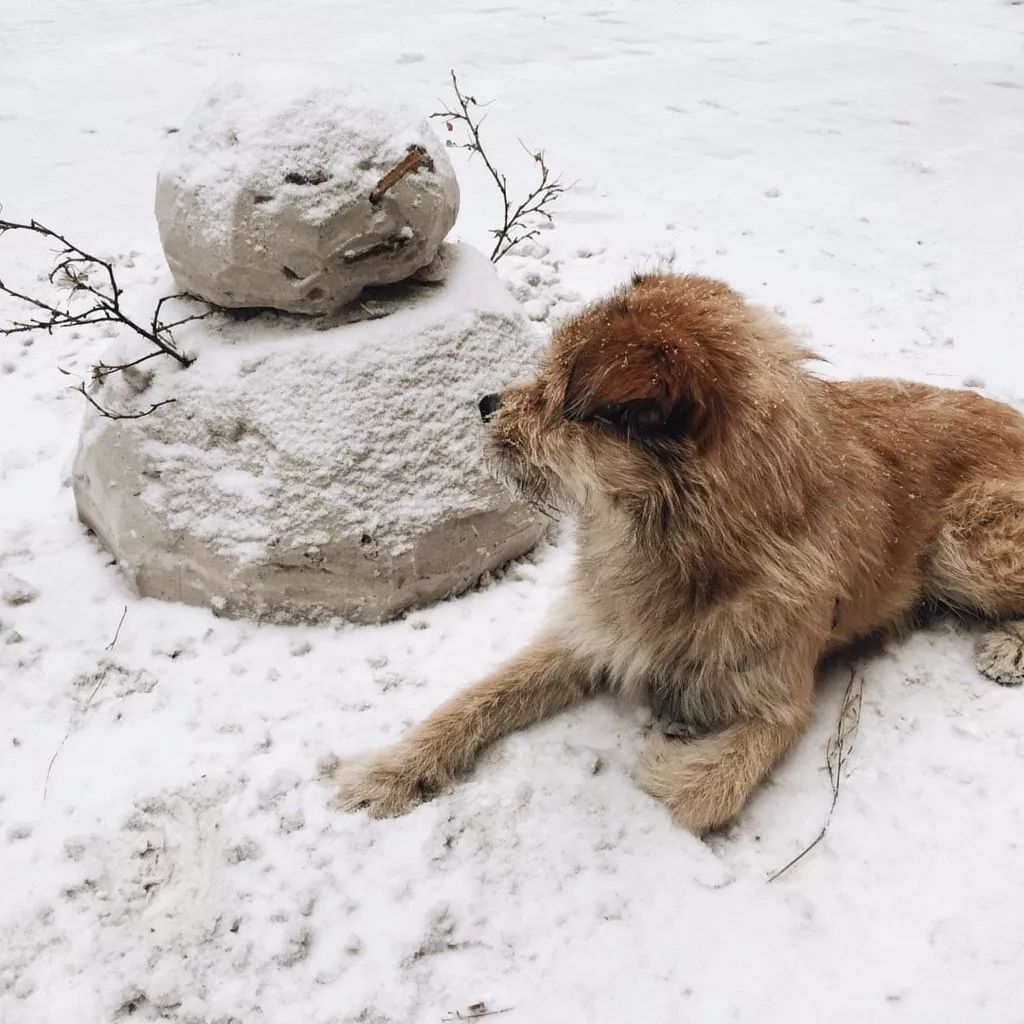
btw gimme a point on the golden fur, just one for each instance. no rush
(739, 519)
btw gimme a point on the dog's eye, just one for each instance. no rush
(605, 415)
(612, 416)
(634, 419)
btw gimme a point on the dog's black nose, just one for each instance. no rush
(489, 405)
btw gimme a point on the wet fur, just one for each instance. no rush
(739, 519)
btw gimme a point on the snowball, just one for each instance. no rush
(309, 469)
(294, 187)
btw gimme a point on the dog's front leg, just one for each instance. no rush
(706, 782)
(540, 681)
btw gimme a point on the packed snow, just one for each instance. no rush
(288, 428)
(267, 195)
(307, 467)
(165, 836)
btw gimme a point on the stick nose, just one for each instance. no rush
(489, 405)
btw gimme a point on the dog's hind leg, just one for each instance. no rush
(978, 565)
(540, 681)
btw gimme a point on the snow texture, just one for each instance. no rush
(858, 167)
(271, 194)
(309, 469)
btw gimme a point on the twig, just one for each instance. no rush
(117, 632)
(73, 270)
(837, 754)
(158, 327)
(108, 414)
(408, 164)
(71, 726)
(476, 1014)
(520, 222)
(99, 373)
(102, 370)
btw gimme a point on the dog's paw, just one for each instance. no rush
(999, 654)
(692, 780)
(664, 772)
(386, 784)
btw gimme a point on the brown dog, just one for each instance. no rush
(739, 519)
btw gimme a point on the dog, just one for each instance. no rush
(739, 519)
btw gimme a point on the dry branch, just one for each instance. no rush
(475, 1012)
(111, 415)
(520, 221)
(101, 371)
(88, 302)
(73, 269)
(117, 632)
(407, 165)
(100, 680)
(837, 754)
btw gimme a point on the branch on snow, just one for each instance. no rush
(837, 754)
(91, 295)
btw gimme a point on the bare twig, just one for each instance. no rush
(77, 271)
(475, 1012)
(158, 328)
(110, 415)
(102, 371)
(73, 269)
(837, 754)
(117, 632)
(71, 728)
(407, 165)
(520, 221)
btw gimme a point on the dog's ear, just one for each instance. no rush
(642, 387)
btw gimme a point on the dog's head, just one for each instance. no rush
(636, 393)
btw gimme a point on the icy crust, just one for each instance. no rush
(270, 193)
(351, 453)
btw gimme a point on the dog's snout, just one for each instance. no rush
(489, 405)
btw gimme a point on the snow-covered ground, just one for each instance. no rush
(166, 849)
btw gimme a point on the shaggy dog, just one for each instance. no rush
(739, 519)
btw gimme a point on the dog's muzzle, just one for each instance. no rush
(489, 405)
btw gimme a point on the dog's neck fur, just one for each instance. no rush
(714, 586)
